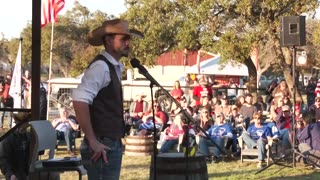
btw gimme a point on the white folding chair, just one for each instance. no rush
(45, 139)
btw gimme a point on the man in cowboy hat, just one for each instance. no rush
(139, 107)
(98, 100)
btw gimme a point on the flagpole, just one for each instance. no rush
(50, 67)
(21, 102)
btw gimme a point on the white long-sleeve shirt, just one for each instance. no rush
(96, 77)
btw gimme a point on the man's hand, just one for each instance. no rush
(99, 150)
(140, 114)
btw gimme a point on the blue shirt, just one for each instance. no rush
(218, 131)
(255, 133)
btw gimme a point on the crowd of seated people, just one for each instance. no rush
(254, 122)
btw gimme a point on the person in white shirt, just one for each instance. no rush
(64, 127)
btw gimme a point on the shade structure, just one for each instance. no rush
(212, 66)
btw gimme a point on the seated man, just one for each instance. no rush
(309, 138)
(256, 137)
(138, 108)
(218, 133)
(283, 122)
(64, 127)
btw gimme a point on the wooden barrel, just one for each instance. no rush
(139, 145)
(173, 166)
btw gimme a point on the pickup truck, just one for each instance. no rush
(264, 82)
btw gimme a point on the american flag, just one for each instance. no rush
(50, 10)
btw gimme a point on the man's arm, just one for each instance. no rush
(73, 124)
(83, 118)
(55, 122)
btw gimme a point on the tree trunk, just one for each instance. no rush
(285, 56)
(252, 84)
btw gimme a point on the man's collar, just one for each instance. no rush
(111, 59)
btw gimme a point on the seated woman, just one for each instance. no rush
(218, 133)
(260, 104)
(146, 123)
(204, 120)
(172, 134)
(257, 137)
(64, 127)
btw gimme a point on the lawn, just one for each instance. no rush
(137, 168)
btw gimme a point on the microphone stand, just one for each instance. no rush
(154, 156)
(189, 118)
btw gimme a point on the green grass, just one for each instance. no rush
(137, 168)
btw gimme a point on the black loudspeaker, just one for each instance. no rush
(293, 31)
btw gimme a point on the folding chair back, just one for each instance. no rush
(45, 139)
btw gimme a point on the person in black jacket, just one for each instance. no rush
(15, 153)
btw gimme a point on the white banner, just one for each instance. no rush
(15, 87)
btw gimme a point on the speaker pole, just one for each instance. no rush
(294, 103)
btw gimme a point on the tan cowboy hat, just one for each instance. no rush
(115, 26)
(142, 94)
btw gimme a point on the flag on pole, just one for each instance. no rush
(15, 87)
(50, 10)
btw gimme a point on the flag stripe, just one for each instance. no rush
(57, 7)
(50, 10)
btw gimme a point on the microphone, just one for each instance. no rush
(142, 70)
(136, 64)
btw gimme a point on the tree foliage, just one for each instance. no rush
(230, 28)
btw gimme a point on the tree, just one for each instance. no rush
(231, 28)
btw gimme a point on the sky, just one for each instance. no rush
(15, 14)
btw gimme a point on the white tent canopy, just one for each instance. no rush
(212, 66)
